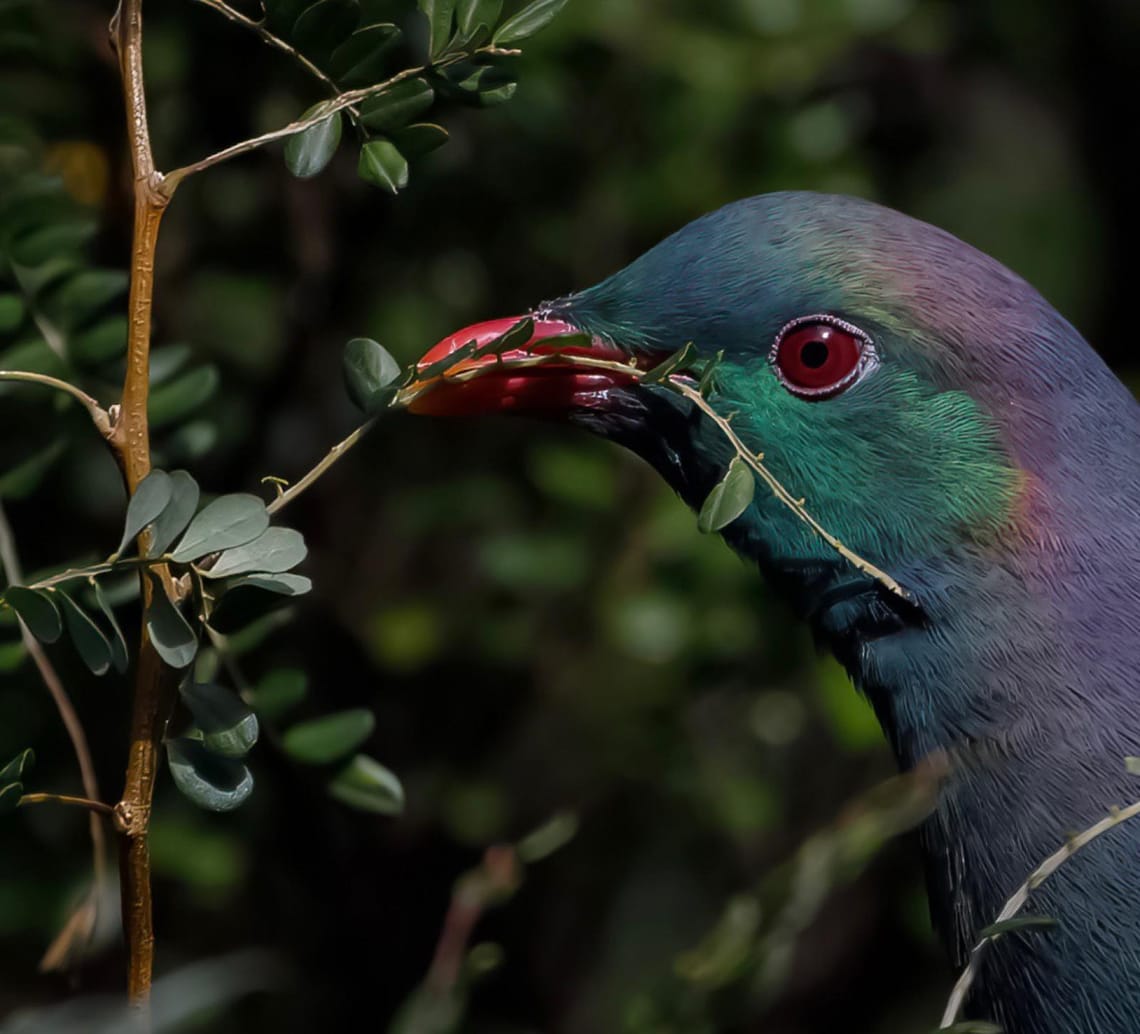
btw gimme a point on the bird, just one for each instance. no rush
(942, 420)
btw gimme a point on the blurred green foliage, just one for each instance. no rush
(533, 618)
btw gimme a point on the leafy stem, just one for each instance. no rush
(669, 374)
(346, 99)
(756, 462)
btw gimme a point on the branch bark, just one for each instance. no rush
(154, 681)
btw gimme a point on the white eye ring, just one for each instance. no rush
(820, 356)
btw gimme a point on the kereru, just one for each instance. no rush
(950, 427)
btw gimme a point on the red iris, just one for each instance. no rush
(818, 358)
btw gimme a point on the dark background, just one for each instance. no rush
(533, 617)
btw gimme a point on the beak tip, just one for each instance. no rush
(555, 388)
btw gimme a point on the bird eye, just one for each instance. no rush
(817, 357)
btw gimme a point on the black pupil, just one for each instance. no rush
(814, 354)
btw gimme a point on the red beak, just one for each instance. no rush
(550, 388)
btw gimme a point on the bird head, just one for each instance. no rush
(928, 406)
(946, 425)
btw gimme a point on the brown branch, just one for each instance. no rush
(10, 563)
(475, 892)
(154, 681)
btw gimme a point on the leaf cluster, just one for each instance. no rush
(61, 316)
(349, 44)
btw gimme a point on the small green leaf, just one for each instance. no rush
(369, 369)
(308, 152)
(177, 399)
(149, 500)
(10, 797)
(230, 520)
(165, 362)
(11, 312)
(173, 638)
(328, 739)
(12, 656)
(281, 584)
(37, 610)
(32, 356)
(282, 15)
(480, 84)
(514, 337)
(707, 384)
(79, 297)
(440, 15)
(1013, 925)
(419, 139)
(366, 784)
(322, 28)
(551, 836)
(441, 366)
(677, 361)
(729, 499)
(228, 727)
(452, 359)
(194, 439)
(397, 105)
(89, 640)
(245, 603)
(473, 13)
(120, 656)
(43, 244)
(210, 781)
(360, 60)
(279, 692)
(15, 770)
(1132, 765)
(531, 19)
(381, 163)
(169, 524)
(22, 480)
(274, 551)
(106, 340)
